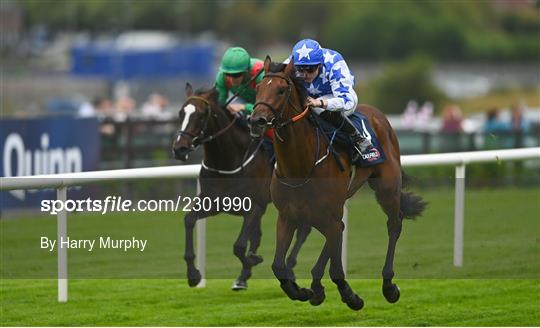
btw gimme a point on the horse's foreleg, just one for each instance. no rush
(334, 240)
(193, 274)
(255, 240)
(284, 235)
(317, 273)
(251, 222)
(301, 235)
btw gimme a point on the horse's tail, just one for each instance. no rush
(411, 205)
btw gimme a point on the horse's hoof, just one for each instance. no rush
(355, 302)
(318, 298)
(391, 293)
(304, 294)
(318, 294)
(194, 278)
(296, 293)
(254, 259)
(239, 285)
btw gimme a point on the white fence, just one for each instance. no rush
(62, 181)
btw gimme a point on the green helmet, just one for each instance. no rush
(235, 60)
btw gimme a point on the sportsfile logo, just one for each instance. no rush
(120, 204)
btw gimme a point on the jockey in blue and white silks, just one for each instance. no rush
(329, 83)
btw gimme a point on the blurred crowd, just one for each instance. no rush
(119, 109)
(124, 106)
(517, 123)
(419, 118)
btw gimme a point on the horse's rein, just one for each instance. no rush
(244, 86)
(293, 119)
(245, 161)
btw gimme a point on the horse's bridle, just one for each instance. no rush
(245, 161)
(209, 108)
(199, 139)
(277, 122)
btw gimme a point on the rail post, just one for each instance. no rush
(61, 195)
(201, 245)
(459, 212)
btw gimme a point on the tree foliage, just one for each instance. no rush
(401, 82)
(455, 30)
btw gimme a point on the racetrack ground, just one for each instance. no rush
(499, 283)
(429, 302)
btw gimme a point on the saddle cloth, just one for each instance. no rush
(362, 125)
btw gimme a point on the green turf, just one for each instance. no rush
(499, 282)
(171, 303)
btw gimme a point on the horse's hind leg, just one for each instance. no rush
(284, 233)
(301, 235)
(388, 193)
(334, 240)
(251, 222)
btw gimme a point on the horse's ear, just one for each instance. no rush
(214, 92)
(189, 90)
(289, 69)
(267, 62)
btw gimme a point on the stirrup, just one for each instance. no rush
(364, 152)
(364, 145)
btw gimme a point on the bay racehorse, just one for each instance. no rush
(233, 166)
(309, 187)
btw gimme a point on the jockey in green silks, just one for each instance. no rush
(238, 74)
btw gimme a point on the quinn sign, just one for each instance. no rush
(45, 146)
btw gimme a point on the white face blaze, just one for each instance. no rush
(188, 110)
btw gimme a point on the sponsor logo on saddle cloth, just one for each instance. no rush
(372, 156)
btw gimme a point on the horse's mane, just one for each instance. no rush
(212, 95)
(212, 92)
(297, 82)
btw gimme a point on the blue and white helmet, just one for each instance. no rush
(307, 52)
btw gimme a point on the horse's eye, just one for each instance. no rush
(281, 91)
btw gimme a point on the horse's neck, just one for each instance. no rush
(227, 149)
(296, 155)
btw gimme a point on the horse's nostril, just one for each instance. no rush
(260, 121)
(180, 150)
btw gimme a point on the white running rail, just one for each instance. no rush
(62, 181)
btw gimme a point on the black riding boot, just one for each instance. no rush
(361, 144)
